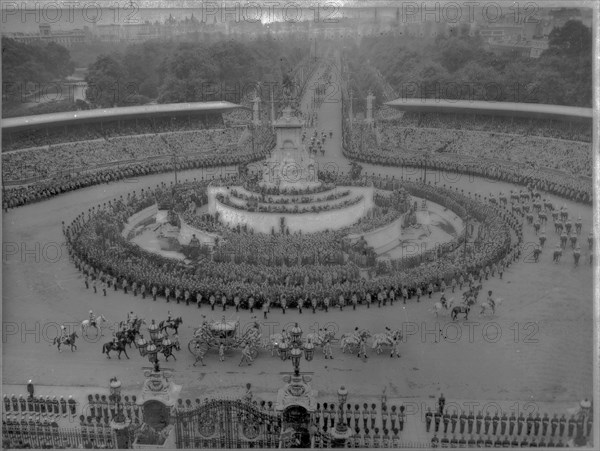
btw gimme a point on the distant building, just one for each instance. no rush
(66, 38)
(521, 48)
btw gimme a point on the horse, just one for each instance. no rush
(487, 306)
(439, 307)
(118, 347)
(127, 336)
(321, 337)
(461, 309)
(97, 324)
(136, 325)
(386, 339)
(170, 324)
(167, 351)
(350, 341)
(70, 340)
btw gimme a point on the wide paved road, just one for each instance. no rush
(538, 346)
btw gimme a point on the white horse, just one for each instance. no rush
(388, 338)
(319, 338)
(438, 307)
(485, 306)
(351, 341)
(85, 324)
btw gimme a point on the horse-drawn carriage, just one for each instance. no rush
(211, 334)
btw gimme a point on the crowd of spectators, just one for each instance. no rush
(513, 161)
(44, 137)
(573, 157)
(500, 124)
(50, 170)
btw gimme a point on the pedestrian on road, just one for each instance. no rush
(30, 389)
(222, 352)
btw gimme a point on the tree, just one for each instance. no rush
(106, 82)
(573, 38)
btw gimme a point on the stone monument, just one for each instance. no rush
(369, 119)
(255, 110)
(290, 165)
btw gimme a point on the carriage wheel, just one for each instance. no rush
(192, 345)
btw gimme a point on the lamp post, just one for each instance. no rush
(295, 349)
(120, 423)
(153, 330)
(152, 352)
(341, 432)
(142, 346)
(115, 395)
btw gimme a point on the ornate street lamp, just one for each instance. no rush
(341, 432)
(295, 349)
(159, 337)
(142, 346)
(296, 334)
(309, 351)
(119, 422)
(283, 350)
(295, 355)
(153, 330)
(115, 387)
(152, 352)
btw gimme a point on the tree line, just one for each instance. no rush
(460, 67)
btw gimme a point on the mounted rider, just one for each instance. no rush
(444, 301)
(131, 319)
(63, 334)
(92, 319)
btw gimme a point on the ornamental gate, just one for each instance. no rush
(224, 423)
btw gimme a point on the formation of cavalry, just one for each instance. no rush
(224, 335)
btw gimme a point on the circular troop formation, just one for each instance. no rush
(97, 247)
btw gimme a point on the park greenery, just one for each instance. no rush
(460, 67)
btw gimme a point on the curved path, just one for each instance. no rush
(537, 347)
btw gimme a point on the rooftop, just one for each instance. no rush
(529, 110)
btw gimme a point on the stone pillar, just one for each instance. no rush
(255, 112)
(370, 98)
(121, 430)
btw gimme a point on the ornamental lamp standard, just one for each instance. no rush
(295, 355)
(296, 334)
(309, 351)
(115, 395)
(142, 346)
(283, 350)
(153, 330)
(152, 352)
(159, 337)
(115, 387)
(341, 433)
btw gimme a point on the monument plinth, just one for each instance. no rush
(290, 166)
(289, 195)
